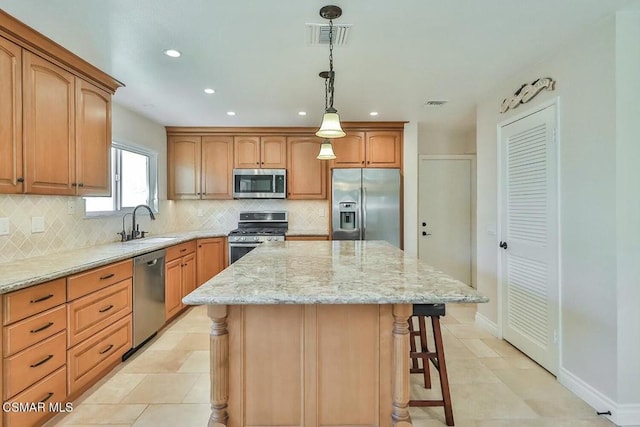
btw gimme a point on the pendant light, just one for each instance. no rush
(330, 127)
(326, 151)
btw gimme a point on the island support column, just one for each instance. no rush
(400, 412)
(219, 366)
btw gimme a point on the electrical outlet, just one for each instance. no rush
(37, 224)
(4, 226)
(321, 212)
(200, 213)
(71, 207)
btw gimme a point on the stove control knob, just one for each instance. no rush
(241, 238)
(269, 238)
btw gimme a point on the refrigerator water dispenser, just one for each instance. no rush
(348, 216)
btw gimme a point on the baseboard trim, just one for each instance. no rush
(484, 323)
(621, 415)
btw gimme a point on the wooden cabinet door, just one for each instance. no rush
(210, 258)
(189, 283)
(49, 130)
(93, 140)
(273, 152)
(217, 167)
(349, 151)
(183, 167)
(173, 288)
(384, 149)
(306, 175)
(10, 118)
(246, 152)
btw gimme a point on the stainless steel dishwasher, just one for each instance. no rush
(148, 297)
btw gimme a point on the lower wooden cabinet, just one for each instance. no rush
(92, 313)
(180, 276)
(211, 257)
(51, 391)
(31, 365)
(307, 238)
(87, 361)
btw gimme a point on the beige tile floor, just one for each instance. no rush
(492, 383)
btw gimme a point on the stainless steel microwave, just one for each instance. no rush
(259, 183)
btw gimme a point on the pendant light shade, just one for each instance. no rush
(326, 151)
(330, 127)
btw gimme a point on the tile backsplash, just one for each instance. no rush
(66, 231)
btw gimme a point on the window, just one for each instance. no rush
(133, 182)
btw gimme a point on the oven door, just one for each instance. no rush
(238, 250)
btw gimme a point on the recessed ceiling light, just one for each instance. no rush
(172, 53)
(231, 113)
(373, 113)
(209, 91)
(302, 113)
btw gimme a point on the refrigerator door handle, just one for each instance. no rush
(363, 212)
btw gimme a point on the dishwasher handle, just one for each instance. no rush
(152, 262)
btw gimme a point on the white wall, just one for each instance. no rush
(598, 80)
(628, 204)
(410, 168)
(432, 140)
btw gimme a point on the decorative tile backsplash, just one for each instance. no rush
(65, 231)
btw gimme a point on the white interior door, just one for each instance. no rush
(444, 212)
(529, 236)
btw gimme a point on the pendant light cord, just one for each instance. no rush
(331, 64)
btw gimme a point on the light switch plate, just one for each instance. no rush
(200, 213)
(37, 224)
(4, 226)
(71, 207)
(321, 212)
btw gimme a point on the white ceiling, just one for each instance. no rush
(255, 55)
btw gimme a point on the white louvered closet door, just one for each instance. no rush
(529, 228)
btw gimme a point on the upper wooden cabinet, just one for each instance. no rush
(306, 175)
(199, 167)
(49, 127)
(201, 159)
(67, 122)
(374, 149)
(254, 152)
(93, 140)
(55, 117)
(11, 175)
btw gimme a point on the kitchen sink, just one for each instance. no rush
(152, 240)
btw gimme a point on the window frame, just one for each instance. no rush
(116, 182)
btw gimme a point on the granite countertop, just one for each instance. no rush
(23, 273)
(331, 272)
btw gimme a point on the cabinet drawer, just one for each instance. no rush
(90, 314)
(21, 304)
(48, 391)
(29, 331)
(182, 249)
(88, 360)
(83, 284)
(25, 368)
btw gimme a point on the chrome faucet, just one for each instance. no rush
(134, 227)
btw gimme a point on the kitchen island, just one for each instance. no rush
(316, 333)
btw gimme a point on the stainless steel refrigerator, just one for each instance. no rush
(366, 204)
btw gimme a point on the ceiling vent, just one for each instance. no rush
(318, 34)
(435, 103)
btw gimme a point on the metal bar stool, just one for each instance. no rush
(434, 312)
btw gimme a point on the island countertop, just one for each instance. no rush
(331, 272)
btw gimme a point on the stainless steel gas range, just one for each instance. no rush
(255, 227)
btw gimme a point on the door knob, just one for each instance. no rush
(424, 233)
(503, 245)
